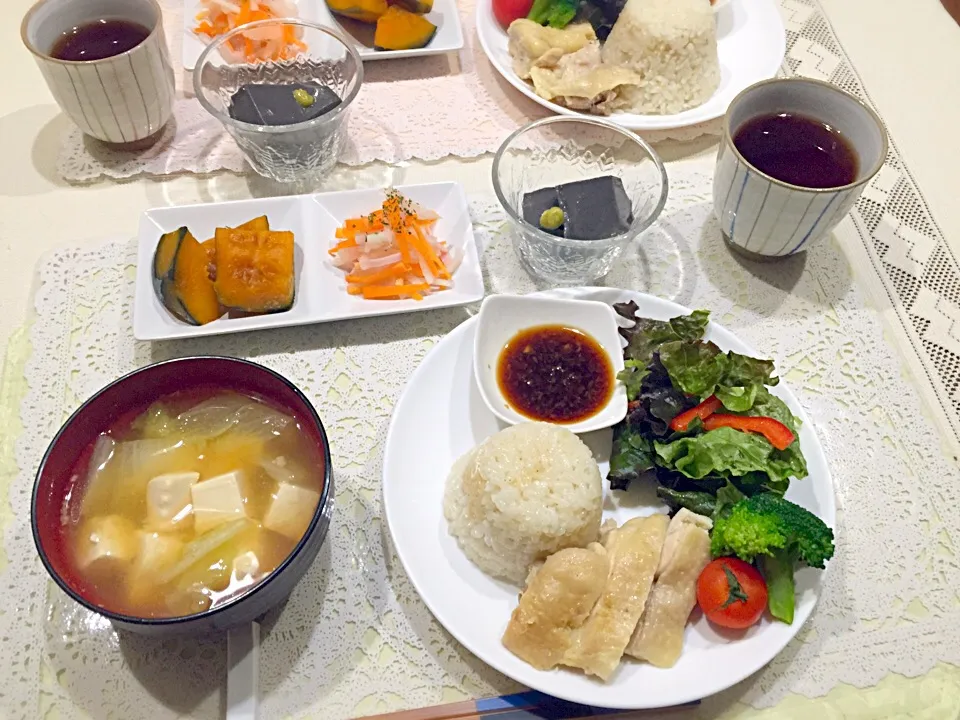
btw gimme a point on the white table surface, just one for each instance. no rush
(907, 52)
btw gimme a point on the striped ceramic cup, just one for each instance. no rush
(124, 99)
(763, 217)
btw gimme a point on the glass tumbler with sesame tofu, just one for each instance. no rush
(282, 89)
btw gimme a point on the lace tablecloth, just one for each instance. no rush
(472, 109)
(354, 638)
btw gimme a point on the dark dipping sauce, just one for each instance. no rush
(98, 40)
(798, 150)
(555, 374)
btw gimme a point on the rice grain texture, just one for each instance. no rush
(522, 495)
(672, 45)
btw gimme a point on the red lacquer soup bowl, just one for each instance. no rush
(57, 478)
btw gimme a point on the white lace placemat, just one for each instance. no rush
(471, 110)
(354, 638)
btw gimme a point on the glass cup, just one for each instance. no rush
(287, 153)
(562, 149)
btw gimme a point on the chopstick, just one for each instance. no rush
(521, 706)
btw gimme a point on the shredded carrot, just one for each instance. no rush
(396, 234)
(347, 243)
(403, 244)
(243, 17)
(389, 291)
(425, 251)
(390, 272)
(218, 17)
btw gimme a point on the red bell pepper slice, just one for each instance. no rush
(778, 434)
(704, 410)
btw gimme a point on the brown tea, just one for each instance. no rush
(99, 39)
(798, 150)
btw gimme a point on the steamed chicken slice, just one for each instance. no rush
(529, 41)
(634, 553)
(580, 81)
(658, 638)
(558, 599)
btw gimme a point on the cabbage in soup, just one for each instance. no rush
(190, 503)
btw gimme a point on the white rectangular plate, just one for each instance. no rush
(448, 38)
(321, 294)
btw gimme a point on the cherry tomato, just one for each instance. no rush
(731, 593)
(506, 11)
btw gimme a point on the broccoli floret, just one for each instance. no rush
(782, 535)
(767, 523)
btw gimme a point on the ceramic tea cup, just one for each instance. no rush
(763, 216)
(124, 99)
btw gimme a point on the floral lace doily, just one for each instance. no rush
(354, 638)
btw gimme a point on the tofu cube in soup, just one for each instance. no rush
(216, 501)
(169, 498)
(291, 510)
(157, 553)
(191, 503)
(107, 544)
(246, 565)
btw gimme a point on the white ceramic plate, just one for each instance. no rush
(751, 42)
(440, 416)
(321, 294)
(448, 38)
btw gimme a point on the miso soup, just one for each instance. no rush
(190, 502)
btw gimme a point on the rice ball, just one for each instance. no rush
(522, 495)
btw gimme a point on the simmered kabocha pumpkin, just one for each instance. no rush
(255, 271)
(168, 295)
(166, 253)
(248, 268)
(191, 283)
(258, 224)
(400, 29)
(182, 267)
(420, 7)
(210, 246)
(367, 11)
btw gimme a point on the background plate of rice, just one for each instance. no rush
(440, 416)
(751, 42)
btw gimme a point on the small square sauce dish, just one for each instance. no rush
(550, 360)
